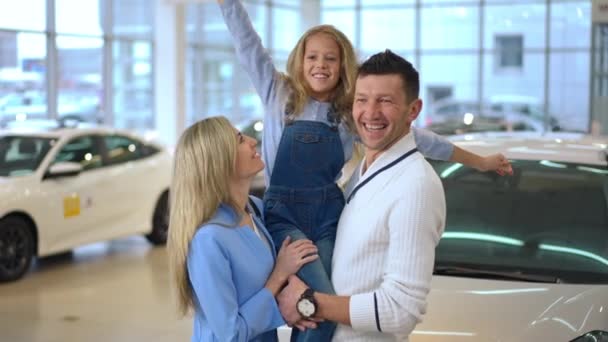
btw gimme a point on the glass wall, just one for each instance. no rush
(522, 65)
(23, 60)
(216, 84)
(132, 28)
(518, 65)
(87, 60)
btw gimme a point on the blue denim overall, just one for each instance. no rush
(303, 201)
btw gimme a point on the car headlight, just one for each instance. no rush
(593, 336)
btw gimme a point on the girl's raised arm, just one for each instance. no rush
(252, 55)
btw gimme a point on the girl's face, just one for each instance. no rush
(322, 62)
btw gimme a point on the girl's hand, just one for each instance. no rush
(293, 255)
(497, 162)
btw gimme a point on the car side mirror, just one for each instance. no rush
(63, 169)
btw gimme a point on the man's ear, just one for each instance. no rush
(415, 108)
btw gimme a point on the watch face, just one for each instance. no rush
(306, 307)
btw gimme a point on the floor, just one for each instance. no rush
(115, 291)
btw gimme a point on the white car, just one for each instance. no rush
(523, 257)
(67, 187)
(502, 113)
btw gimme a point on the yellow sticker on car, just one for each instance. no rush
(71, 206)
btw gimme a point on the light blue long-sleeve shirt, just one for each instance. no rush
(228, 267)
(274, 92)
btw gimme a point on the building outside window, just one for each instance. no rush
(509, 52)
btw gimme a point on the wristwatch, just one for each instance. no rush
(307, 305)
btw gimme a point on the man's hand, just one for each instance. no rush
(288, 299)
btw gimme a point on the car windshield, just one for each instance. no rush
(548, 219)
(21, 155)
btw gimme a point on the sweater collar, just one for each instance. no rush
(404, 144)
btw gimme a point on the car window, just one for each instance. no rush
(548, 218)
(83, 150)
(21, 155)
(121, 149)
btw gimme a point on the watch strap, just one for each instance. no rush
(309, 294)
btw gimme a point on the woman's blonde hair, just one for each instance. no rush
(204, 163)
(342, 98)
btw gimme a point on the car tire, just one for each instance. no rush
(16, 248)
(160, 221)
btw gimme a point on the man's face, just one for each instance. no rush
(381, 111)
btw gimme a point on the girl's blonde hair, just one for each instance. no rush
(204, 163)
(342, 98)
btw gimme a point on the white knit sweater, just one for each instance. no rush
(385, 246)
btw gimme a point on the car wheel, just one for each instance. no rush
(160, 221)
(16, 248)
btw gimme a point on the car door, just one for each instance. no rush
(132, 183)
(75, 206)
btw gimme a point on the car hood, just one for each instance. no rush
(465, 309)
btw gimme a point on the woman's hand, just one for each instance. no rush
(294, 255)
(291, 257)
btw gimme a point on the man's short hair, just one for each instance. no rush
(389, 63)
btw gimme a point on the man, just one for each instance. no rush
(394, 217)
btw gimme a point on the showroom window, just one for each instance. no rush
(23, 59)
(132, 67)
(494, 54)
(216, 84)
(86, 60)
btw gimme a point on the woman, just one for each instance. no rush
(222, 258)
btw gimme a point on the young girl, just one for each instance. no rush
(223, 262)
(308, 137)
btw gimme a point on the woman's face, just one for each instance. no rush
(248, 160)
(321, 67)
